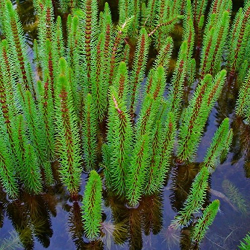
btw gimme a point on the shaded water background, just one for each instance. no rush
(53, 221)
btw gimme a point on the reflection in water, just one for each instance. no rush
(30, 216)
(182, 178)
(185, 239)
(75, 225)
(152, 214)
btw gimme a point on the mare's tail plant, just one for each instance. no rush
(7, 170)
(139, 67)
(238, 40)
(36, 132)
(162, 144)
(89, 133)
(221, 142)
(67, 132)
(92, 206)
(18, 50)
(29, 167)
(243, 101)
(195, 199)
(245, 243)
(195, 115)
(205, 221)
(214, 43)
(118, 148)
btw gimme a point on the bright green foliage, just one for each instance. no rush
(89, 38)
(6, 81)
(164, 55)
(168, 14)
(46, 108)
(147, 117)
(222, 140)
(243, 102)
(227, 145)
(46, 29)
(137, 171)
(205, 221)
(126, 54)
(67, 132)
(59, 37)
(177, 81)
(73, 55)
(134, 10)
(243, 71)
(125, 10)
(151, 13)
(193, 120)
(213, 43)
(17, 51)
(139, 67)
(121, 82)
(7, 171)
(194, 200)
(235, 196)
(238, 40)
(47, 48)
(117, 45)
(89, 133)
(37, 135)
(91, 208)
(7, 101)
(189, 34)
(199, 10)
(29, 170)
(245, 243)
(195, 115)
(199, 7)
(216, 11)
(99, 85)
(119, 144)
(36, 131)
(154, 91)
(100, 75)
(156, 83)
(162, 145)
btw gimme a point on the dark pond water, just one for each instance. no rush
(53, 221)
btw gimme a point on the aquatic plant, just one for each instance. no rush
(245, 243)
(205, 221)
(195, 115)
(243, 101)
(194, 200)
(238, 39)
(221, 141)
(91, 208)
(119, 141)
(97, 99)
(89, 133)
(67, 132)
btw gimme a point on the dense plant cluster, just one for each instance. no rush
(91, 101)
